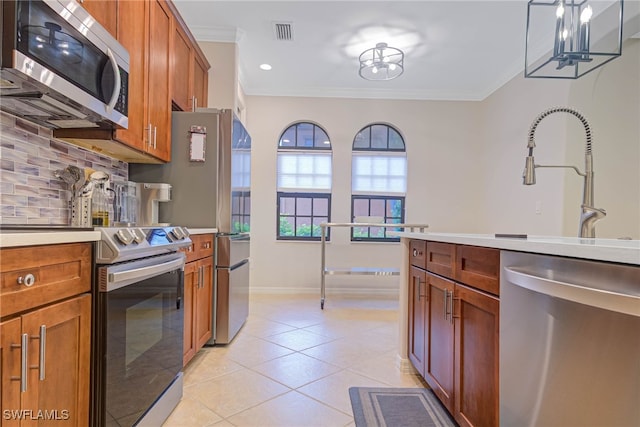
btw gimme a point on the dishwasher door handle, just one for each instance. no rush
(607, 300)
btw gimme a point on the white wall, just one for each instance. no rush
(609, 98)
(443, 174)
(465, 162)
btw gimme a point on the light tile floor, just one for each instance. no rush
(292, 364)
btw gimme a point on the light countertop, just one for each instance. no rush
(614, 250)
(202, 230)
(12, 238)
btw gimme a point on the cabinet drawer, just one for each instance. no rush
(37, 275)
(418, 253)
(441, 258)
(201, 247)
(479, 267)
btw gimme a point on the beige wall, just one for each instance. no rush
(223, 74)
(465, 162)
(443, 178)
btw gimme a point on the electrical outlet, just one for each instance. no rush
(538, 207)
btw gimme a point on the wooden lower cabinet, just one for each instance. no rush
(417, 318)
(453, 331)
(198, 295)
(476, 358)
(439, 362)
(56, 390)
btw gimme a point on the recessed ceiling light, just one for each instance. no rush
(265, 67)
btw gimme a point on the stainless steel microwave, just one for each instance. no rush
(60, 68)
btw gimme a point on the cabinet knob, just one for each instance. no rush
(27, 280)
(416, 253)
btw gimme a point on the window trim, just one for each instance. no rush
(387, 149)
(296, 147)
(376, 197)
(311, 195)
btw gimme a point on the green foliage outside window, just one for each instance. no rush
(304, 230)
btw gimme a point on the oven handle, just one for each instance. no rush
(120, 279)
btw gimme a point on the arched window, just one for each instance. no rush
(304, 182)
(378, 181)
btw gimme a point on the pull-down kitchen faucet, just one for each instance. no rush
(589, 214)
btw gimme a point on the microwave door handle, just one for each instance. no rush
(118, 84)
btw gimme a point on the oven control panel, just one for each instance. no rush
(119, 244)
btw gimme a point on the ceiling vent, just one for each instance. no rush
(283, 31)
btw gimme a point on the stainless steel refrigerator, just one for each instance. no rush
(210, 175)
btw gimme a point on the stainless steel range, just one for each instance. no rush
(139, 321)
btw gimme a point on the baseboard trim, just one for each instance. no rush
(404, 365)
(372, 292)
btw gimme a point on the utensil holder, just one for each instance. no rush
(81, 212)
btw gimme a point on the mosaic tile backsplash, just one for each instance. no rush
(29, 191)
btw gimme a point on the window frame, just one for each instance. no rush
(296, 195)
(386, 198)
(384, 195)
(298, 192)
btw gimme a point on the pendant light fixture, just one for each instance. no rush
(381, 63)
(569, 38)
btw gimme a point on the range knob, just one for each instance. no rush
(138, 235)
(178, 233)
(185, 230)
(125, 236)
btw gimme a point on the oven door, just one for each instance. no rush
(139, 334)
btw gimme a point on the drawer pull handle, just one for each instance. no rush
(43, 350)
(24, 359)
(27, 280)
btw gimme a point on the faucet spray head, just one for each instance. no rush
(529, 174)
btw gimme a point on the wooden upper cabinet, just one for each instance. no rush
(105, 12)
(132, 34)
(159, 103)
(201, 82)
(189, 68)
(182, 64)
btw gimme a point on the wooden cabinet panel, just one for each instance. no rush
(181, 69)
(476, 358)
(203, 318)
(198, 294)
(440, 334)
(105, 12)
(441, 258)
(159, 101)
(200, 82)
(201, 246)
(54, 273)
(479, 267)
(10, 351)
(417, 318)
(66, 358)
(189, 344)
(418, 253)
(59, 381)
(132, 34)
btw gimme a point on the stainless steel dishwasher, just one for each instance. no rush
(569, 342)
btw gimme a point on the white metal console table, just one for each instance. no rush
(370, 271)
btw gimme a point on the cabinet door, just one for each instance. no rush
(190, 283)
(59, 381)
(159, 101)
(181, 61)
(104, 11)
(417, 318)
(439, 359)
(200, 83)
(10, 352)
(204, 303)
(132, 35)
(476, 358)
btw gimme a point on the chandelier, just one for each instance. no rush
(381, 63)
(578, 36)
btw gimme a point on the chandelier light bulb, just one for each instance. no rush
(586, 15)
(560, 11)
(374, 70)
(392, 67)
